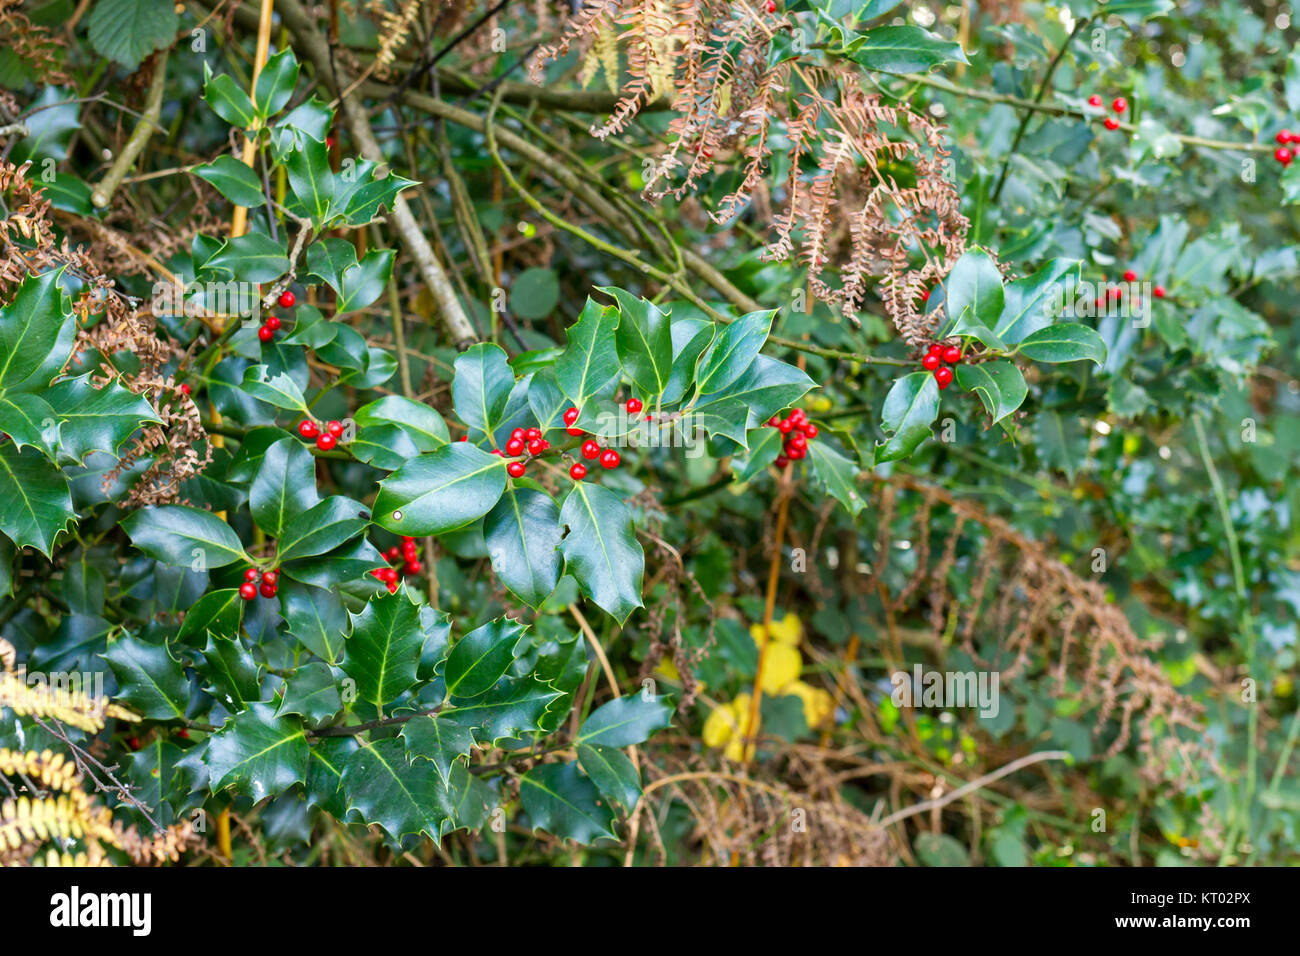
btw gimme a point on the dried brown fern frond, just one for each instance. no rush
(36, 45)
(1041, 618)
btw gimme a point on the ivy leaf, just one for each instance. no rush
(383, 650)
(601, 550)
(251, 258)
(838, 474)
(311, 693)
(625, 721)
(257, 753)
(127, 31)
(910, 407)
(999, 385)
(510, 709)
(178, 535)
(1065, 342)
(234, 180)
(35, 504)
(439, 741)
(733, 351)
(482, 387)
(284, 486)
(218, 612)
(234, 678)
(441, 491)
(357, 284)
(148, 679)
(976, 284)
(560, 800)
(321, 528)
(481, 658)
(422, 423)
(275, 84)
(316, 618)
(1027, 302)
(902, 49)
(279, 390)
(30, 328)
(389, 790)
(612, 773)
(588, 367)
(96, 419)
(523, 534)
(644, 342)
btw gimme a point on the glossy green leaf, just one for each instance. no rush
(1064, 342)
(316, 618)
(312, 694)
(441, 491)
(179, 535)
(234, 180)
(425, 426)
(601, 550)
(612, 773)
(279, 389)
(482, 387)
(1028, 302)
(252, 258)
(257, 753)
(588, 368)
(321, 528)
(127, 31)
(233, 677)
(275, 84)
(148, 679)
(218, 612)
(383, 650)
(30, 327)
(999, 385)
(644, 342)
(560, 800)
(910, 407)
(625, 721)
(733, 351)
(284, 485)
(837, 474)
(35, 504)
(510, 709)
(387, 789)
(30, 422)
(976, 284)
(481, 658)
(357, 284)
(523, 537)
(439, 741)
(96, 419)
(902, 49)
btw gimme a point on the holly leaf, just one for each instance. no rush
(311, 693)
(690, 338)
(733, 351)
(316, 618)
(254, 257)
(148, 679)
(625, 721)
(233, 676)
(510, 709)
(975, 283)
(612, 773)
(1027, 302)
(910, 407)
(560, 800)
(838, 474)
(523, 536)
(234, 180)
(218, 612)
(321, 528)
(35, 503)
(482, 387)
(384, 446)
(179, 535)
(441, 491)
(588, 367)
(275, 84)
(29, 422)
(30, 328)
(279, 390)
(902, 49)
(327, 759)
(357, 284)
(383, 651)
(601, 550)
(389, 790)
(284, 486)
(643, 341)
(1064, 342)
(999, 385)
(481, 658)
(439, 741)
(425, 426)
(96, 419)
(257, 753)
(763, 451)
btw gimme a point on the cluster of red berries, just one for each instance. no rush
(1131, 276)
(409, 556)
(1284, 154)
(934, 362)
(798, 432)
(326, 438)
(250, 588)
(522, 441)
(272, 324)
(1118, 104)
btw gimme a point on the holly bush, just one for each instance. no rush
(773, 433)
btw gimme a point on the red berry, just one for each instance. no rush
(570, 415)
(952, 355)
(633, 406)
(515, 469)
(936, 348)
(797, 440)
(1283, 155)
(185, 389)
(931, 362)
(609, 458)
(1284, 136)
(774, 420)
(326, 442)
(248, 591)
(1111, 123)
(943, 377)
(308, 428)
(1119, 105)
(334, 428)
(251, 574)
(133, 743)
(377, 573)
(267, 590)
(782, 461)
(578, 471)
(771, 6)
(498, 451)
(1094, 100)
(270, 577)
(273, 323)
(925, 296)
(794, 454)
(413, 567)
(329, 142)
(785, 426)
(390, 574)
(810, 430)
(393, 553)
(266, 333)
(573, 431)
(518, 433)
(392, 587)
(515, 447)
(798, 416)
(536, 447)
(590, 450)
(533, 433)
(287, 299)
(464, 438)
(1158, 292)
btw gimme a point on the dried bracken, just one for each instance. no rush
(36, 45)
